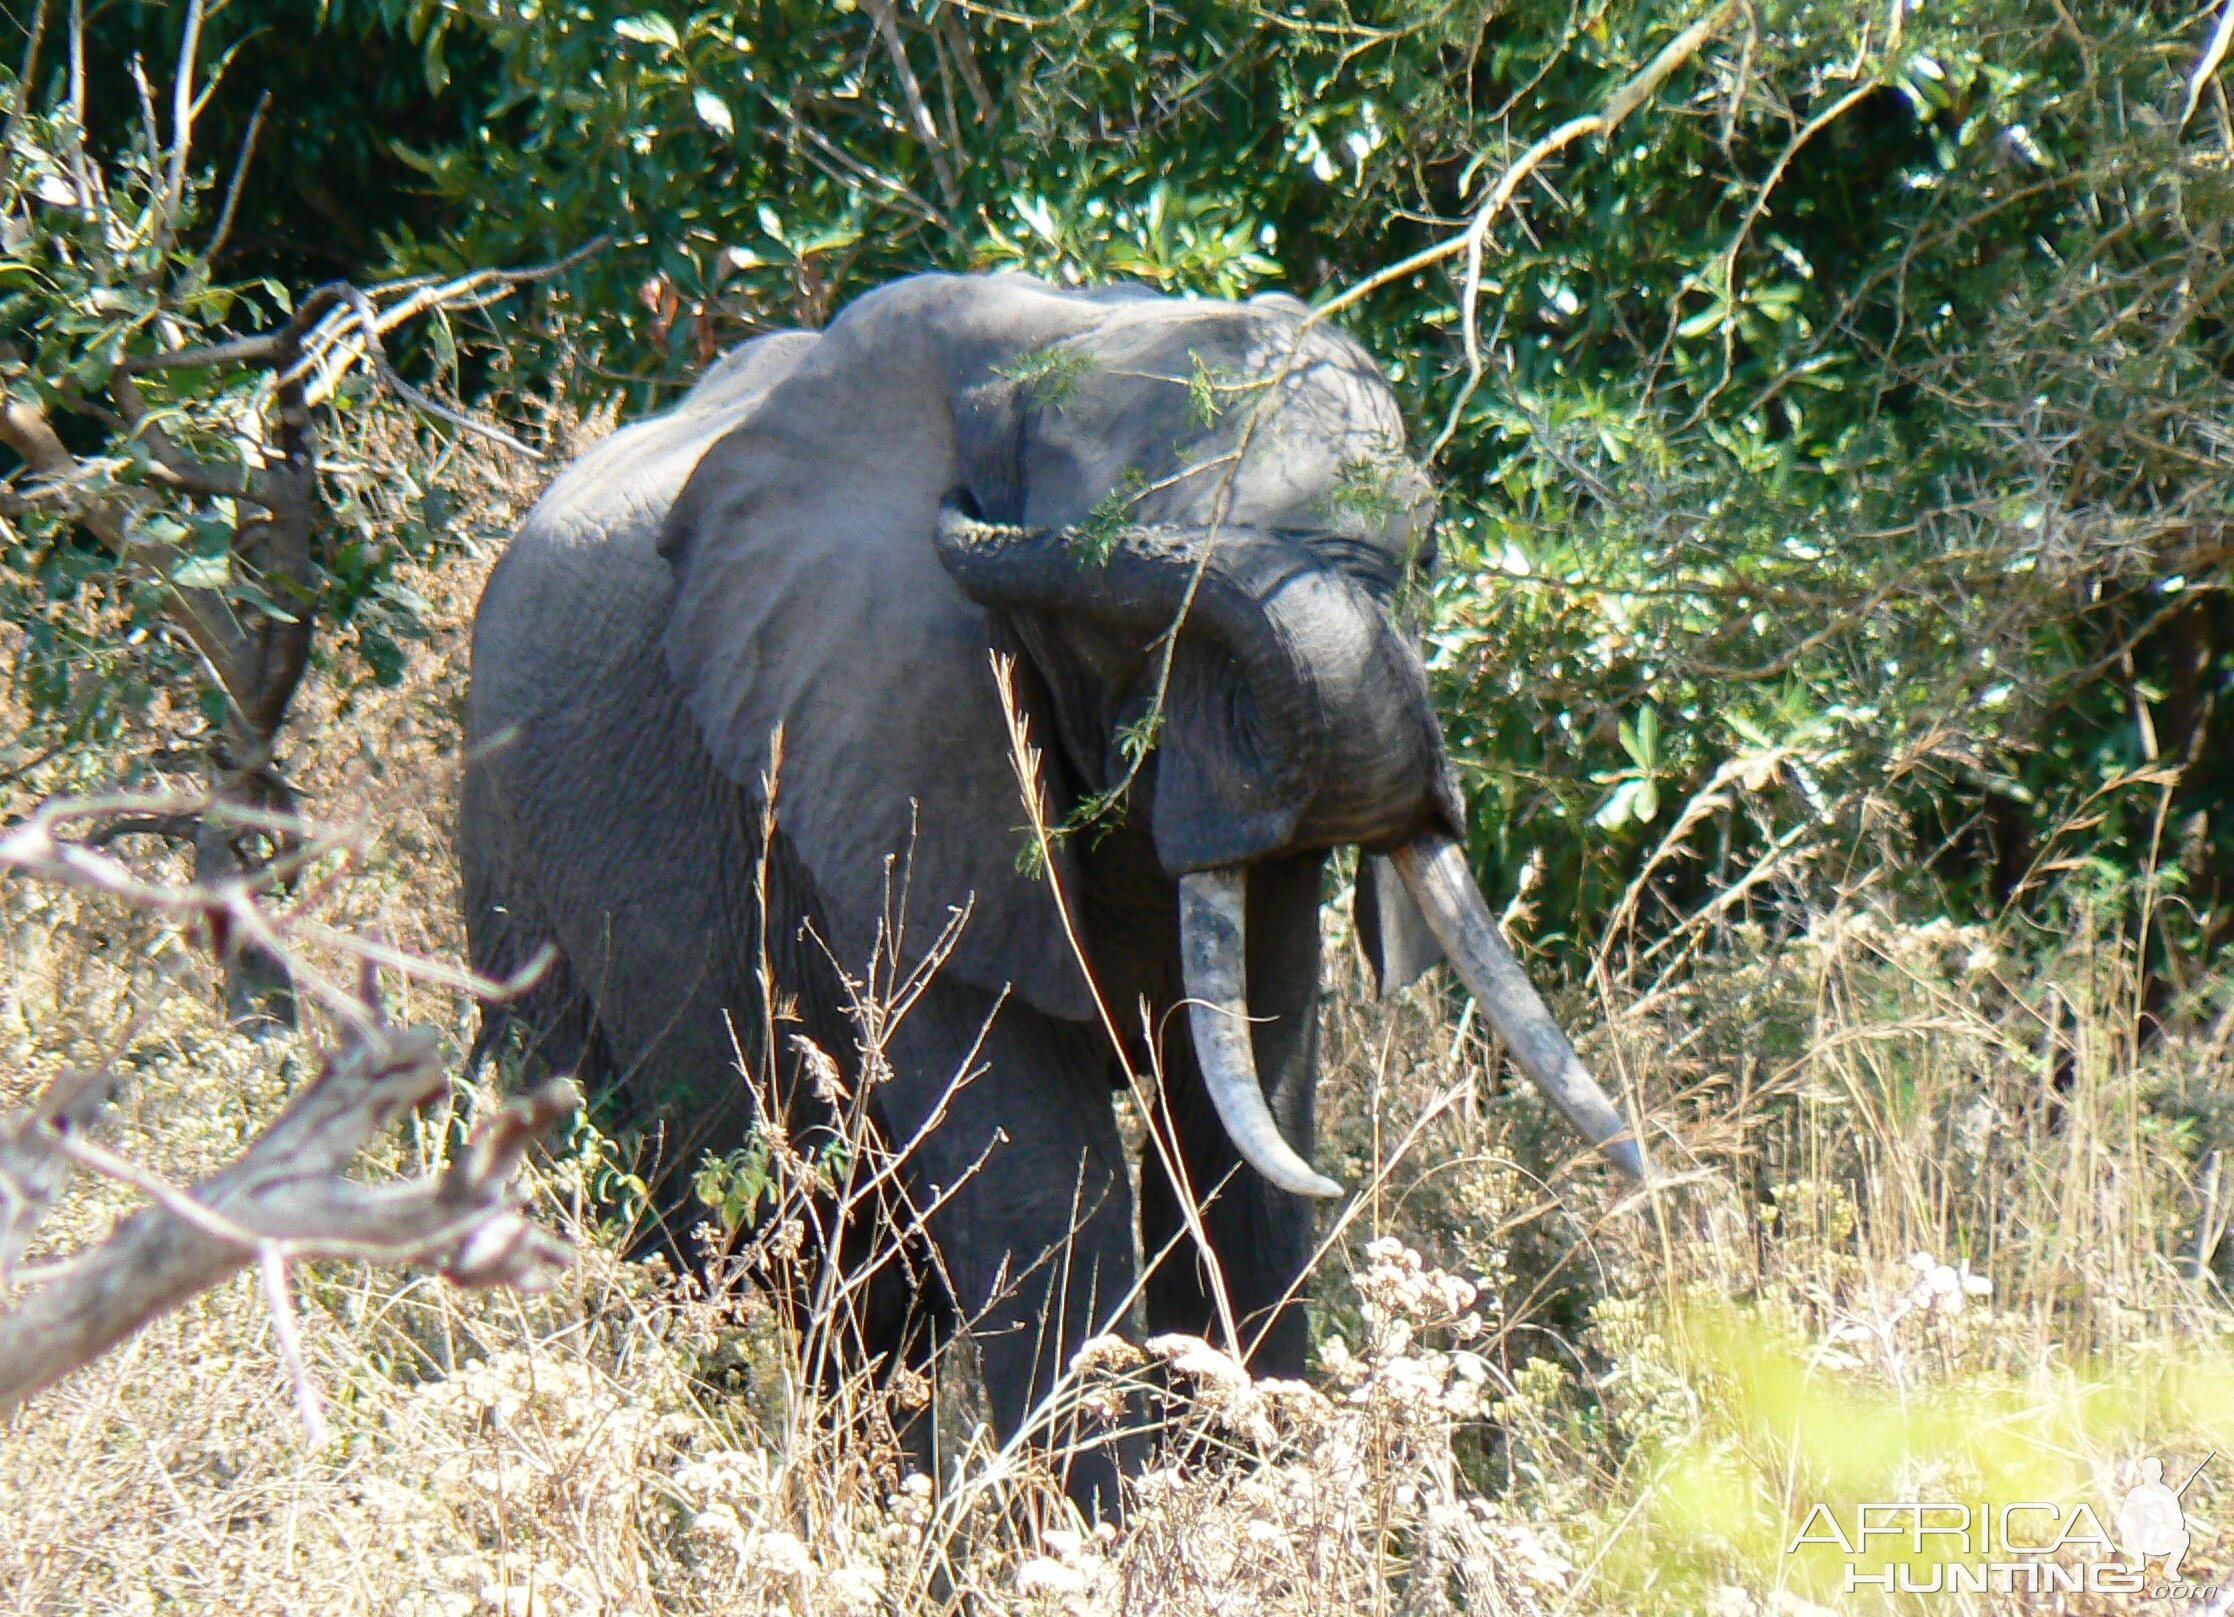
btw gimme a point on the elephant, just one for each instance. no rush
(1187, 523)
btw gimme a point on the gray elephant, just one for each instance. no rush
(1186, 521)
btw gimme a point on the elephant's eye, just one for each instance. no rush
(1370, 562)
(1425, 553)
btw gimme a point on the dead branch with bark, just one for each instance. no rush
(288, 1195)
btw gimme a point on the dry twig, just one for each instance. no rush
(287, 1196)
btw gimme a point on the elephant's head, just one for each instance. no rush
(1192, 519)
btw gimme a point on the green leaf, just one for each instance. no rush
(1048, 375)
(436, 65)
(1617, 810)
(383, 656)
(445, 342)
(1641, 741)
(713, 112)
(649, 29)
(1095, 539)
(162, 528)
(1203, 384)
(249, 595)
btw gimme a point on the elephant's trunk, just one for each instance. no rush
(1150, 579)
(1320, 733)
(1213, 958)
(1351, 754)
(1136, 574)
(1434, 869)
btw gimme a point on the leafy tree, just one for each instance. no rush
(167, 534)
(1828, 400)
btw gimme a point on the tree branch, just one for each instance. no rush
(233, 189)
(926, 127)
(1625, 99)
(286, 1197)
(182, 132)
(31, 1174)
(202, 614)
(1609, 117)
(287, 1192)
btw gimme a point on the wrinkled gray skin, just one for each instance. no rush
(764, 555)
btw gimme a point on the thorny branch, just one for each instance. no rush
(1617, 107)
(286, 1197)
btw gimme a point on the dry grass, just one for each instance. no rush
(1530, 1397)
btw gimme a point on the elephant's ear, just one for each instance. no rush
(1390, 928)
(809, 595)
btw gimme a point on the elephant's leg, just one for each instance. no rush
(869, 1328)
(1020, 1173)
(1262, 1236)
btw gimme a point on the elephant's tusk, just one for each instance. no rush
(1213, 956)
(1434, 868)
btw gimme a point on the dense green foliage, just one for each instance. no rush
(1845, 477)
(169, 520)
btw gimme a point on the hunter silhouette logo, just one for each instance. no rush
(1920, 1547)
(2150, 1519)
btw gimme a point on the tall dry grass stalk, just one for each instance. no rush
(1940, 1226)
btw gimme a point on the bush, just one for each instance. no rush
(1832, 453)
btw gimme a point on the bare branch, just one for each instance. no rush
(32, 846)
(926, 127)
(30, 1173)
(182, 132)
(265, 348)
(956, 34)
(233, 188)
(271, 1266)
(79, 171)
(287, 1194)
(920, 206)
(368, 327)
(2214, 55)
(328, 315)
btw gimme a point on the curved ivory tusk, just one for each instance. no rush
(1434, 868)
(1213, 957)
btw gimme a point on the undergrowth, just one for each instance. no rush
(1942, 1224)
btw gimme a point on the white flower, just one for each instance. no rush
(1944, 1287)
(1192, 1356)
(718, 1521)
(1043, 1576)
(777, 1552)
(857, 1588)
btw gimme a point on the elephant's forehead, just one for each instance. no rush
(1243, 408)
(1211, 363)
